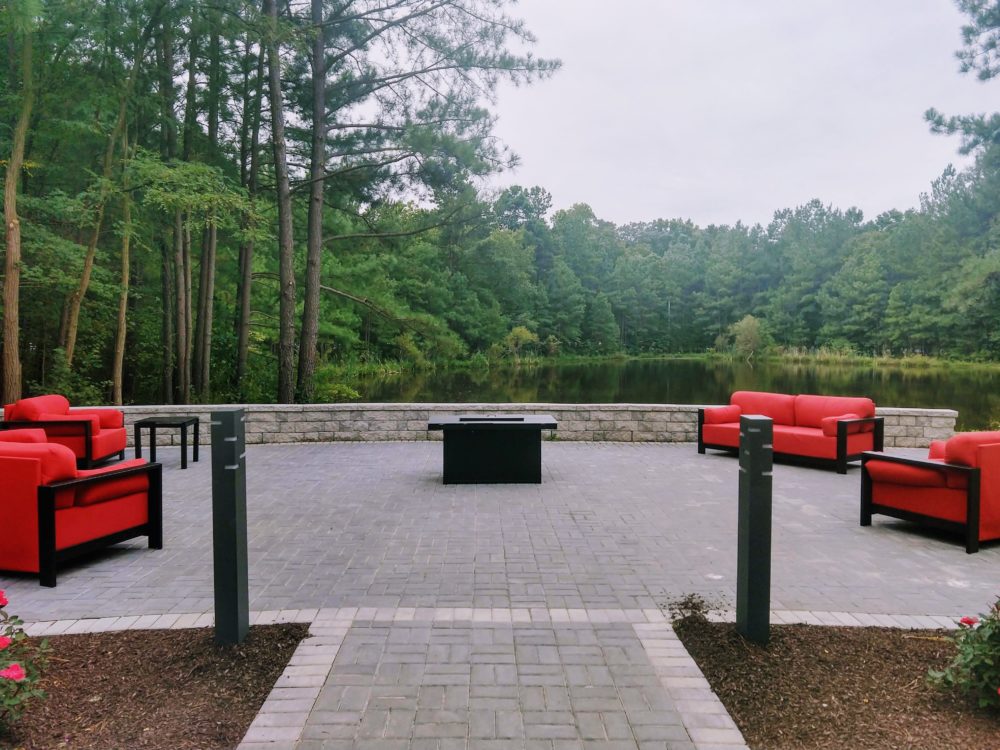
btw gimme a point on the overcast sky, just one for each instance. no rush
(726, 110)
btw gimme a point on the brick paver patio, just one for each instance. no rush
(519, 616)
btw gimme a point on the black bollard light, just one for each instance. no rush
(753, 566)
(229, 526)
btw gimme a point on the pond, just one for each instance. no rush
(973, 391)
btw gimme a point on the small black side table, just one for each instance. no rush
(152, 423)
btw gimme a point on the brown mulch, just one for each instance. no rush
(169, 689)
(816, 688)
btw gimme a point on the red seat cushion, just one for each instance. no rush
(722, 414)
(778, 406)
(23, 436)
(911, 476)
(812, 443)
(811, 410)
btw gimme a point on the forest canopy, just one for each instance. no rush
(219, 200)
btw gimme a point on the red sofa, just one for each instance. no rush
(94, 435)
(53, 511)
(828, 429)
(957, 487)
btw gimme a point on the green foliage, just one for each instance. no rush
(518, 340)
(747, 337)
(21, 666)
(975, 670)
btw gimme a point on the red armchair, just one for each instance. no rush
(957, 487)
(94, 435)
(53, 511)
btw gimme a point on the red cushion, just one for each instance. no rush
(961, 449)
(936, 450)
(812, 443)
(32, 408)
(106, 417)
(108, 442)
(722, 414)
(112, 488)
(77, 525)
(911, 476)
(56, 463)
(23, 436)
(721, 434)
(778, 406)
(810, 410)
(829, 425)
(937, 502)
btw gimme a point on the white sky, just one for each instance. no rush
(726, 110)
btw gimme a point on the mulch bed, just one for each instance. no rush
(818, 688)
(169, 689)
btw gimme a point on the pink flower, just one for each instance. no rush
(4, 642)
(3, 598)
(13, 672)
(969, 621)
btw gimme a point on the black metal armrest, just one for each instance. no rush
(862, 420)
(914, 461)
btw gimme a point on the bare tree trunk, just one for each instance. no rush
(286, 249)
(75, 302)
(119, 359)
(251, 161)
(12, 262)
(182, 308)
(314, 247)
(206, 306)
(167, 323)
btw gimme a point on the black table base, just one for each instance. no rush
(497, 450)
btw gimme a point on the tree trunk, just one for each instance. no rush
(206, 306)
(314, 247)
(249, 173)
(119, 359)
(182, 308)
(286, 269)
(12, 263)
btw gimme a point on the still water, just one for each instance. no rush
(973, 391)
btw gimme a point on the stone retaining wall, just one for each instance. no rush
(672, 423)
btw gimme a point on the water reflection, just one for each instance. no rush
(971, 391)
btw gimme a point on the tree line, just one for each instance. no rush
(224, 200)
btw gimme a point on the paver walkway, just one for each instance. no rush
(493, 616)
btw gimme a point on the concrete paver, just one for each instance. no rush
(486, 616)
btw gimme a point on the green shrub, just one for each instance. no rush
(21, 665)
(975, 669)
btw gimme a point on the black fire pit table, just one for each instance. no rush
(492, 450)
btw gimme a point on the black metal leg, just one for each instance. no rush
(47, 538)
(194, 440)
(137, 431)
(152, 444)
(184, 446)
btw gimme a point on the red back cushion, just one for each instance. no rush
(811, 410)
(56, 462)
(23, 436)
(961, 449)
(778, 406)
(34, 408)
